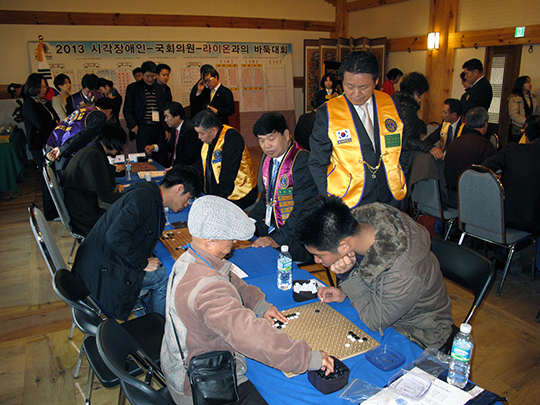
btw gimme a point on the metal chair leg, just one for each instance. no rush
(72, 249)
(89, 384)
(79, 362)
(449, 225)
(121, 396)
(461, 238)
(71, 330)
(506, 268)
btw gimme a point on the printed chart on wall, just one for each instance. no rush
(259, 74)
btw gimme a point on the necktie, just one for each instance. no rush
(275, 168)
(366, 120)
(176, 136)
(212, 95)
(450, 136)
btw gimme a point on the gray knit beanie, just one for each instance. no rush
(213, 217)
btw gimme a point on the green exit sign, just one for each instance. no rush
(520, 32)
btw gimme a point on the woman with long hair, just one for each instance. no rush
(328, 90)
(38, 114)
(522, 103)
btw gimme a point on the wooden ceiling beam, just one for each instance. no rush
(363, 4)
(494, 37)
(159, 20)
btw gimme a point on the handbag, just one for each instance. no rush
(213, 378)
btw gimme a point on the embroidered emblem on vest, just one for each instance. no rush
(283, 181)
(343, 136)
(216, 156)
(390, 124)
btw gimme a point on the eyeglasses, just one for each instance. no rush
(208, 80)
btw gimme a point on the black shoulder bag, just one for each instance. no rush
(212, 377)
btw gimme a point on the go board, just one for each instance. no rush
(323, 328)
(173, 241)
(137, 167)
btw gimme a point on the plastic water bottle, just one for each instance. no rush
(167, 221)
(128, 169)
(284, 269)
(460, 362)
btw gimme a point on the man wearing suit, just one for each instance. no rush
(184, 145)
(286, 185)
(87, 96)
(451, 127)
(357, 145)
(225, 161)
(163, 75)
(199, 90)
(143, 110)
(480, 92)
(219, 99)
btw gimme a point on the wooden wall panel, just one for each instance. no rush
(159, 20)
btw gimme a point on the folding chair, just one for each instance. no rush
(481, 214)
(87, 314)
(467, 268)
(58, 198)
(47, 244)
(121, 352)
(426, 198)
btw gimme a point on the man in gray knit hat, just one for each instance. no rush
(210, 308)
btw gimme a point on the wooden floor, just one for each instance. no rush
(37, 359)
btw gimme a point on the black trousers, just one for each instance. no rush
(249, 395)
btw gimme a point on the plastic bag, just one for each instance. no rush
(357, 391)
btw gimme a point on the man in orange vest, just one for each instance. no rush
(357, 146)
(225, 161)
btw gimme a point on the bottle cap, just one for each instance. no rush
(284, 249)
(465, 328)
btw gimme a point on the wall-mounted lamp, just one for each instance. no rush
(433, 40)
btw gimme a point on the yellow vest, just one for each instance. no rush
(444, 132)
(246, 179)
(346, 172)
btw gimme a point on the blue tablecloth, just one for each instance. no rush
(274, 386)
(135, 176)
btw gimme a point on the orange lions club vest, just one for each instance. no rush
(346, 172)
(444, 133)
(246, 178)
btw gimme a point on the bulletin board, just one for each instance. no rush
(260, 75)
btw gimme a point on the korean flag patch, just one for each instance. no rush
(343, 136)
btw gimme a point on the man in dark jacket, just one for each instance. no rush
(184, 145)
(383, 264)
(115, 260)
(218, 99)
(143, 110)
(89, 180)
(480, 93)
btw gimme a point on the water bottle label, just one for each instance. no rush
(284, 266)
(462, 351)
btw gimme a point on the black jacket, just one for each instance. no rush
(188, 147)
(39, 121)
(135, 103)
(111, 260)
(223, 102)
(479, 95)
(89, 181)
(414, 127)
